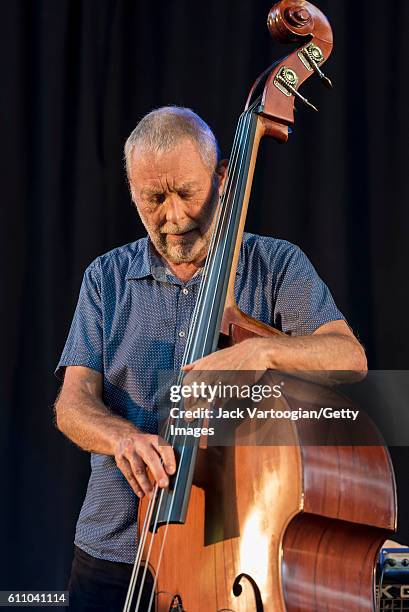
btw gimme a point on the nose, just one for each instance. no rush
(175, 210)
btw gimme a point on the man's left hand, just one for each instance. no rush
(251, 354)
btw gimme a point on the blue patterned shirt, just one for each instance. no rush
(131, 323)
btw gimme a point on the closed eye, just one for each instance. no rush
(157, 198)
(185, 194)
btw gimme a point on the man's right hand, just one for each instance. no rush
(83, 417)
(137, 451)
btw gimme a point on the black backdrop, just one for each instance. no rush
(76, 76)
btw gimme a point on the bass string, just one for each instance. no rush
(209, 261)
(234, 210)
(223, 231)
(161, 499)
(144, 536)
(138, 559)
(208, 264)
(145, 530)
(204, 288)
(220, 234)
(225, 209)
(245, 142)
(181, 457)
(214, 245)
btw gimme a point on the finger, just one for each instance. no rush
(191, 365)
(208, 362)
(152, 459)
(195, 379)
(126, 469)
(167, 454)
(139, 472)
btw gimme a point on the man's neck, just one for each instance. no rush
(183, 271)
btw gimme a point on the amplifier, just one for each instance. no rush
(392, 590)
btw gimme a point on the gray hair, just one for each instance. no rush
(161, 129)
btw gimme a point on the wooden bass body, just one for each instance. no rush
(252, 524)
(290, 527)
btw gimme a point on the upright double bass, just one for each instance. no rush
(265, 528)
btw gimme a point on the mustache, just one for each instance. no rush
(171, 228)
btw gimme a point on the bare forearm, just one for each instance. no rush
(86, 420)
(83, 417)
(321, 352)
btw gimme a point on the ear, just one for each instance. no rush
(221, 171)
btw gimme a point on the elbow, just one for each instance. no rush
(359, 362)
(59, 414)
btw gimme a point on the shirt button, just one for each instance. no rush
(185, 291)
(181, 334)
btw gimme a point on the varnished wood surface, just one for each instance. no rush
(298, 20)
(277, 514)
(285, 26)
(305, 522)
(239, 326)
(230, 299)
(358, 482)
(328, 565)
(247, 522)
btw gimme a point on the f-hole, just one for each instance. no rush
(237, 590)
(176, 604)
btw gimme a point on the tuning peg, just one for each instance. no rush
(286, 80)
(324, 79)
(295, 93)
(311, 56)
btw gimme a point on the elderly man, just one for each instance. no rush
(132, 321)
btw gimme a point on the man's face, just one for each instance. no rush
(176, 196)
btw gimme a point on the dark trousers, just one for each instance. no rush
(101, 586)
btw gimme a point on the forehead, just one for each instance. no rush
(182, 163)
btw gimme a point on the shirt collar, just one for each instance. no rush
(140, 266)
(146, 263)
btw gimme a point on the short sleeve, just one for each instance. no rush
(303, 301)
(84, 344)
